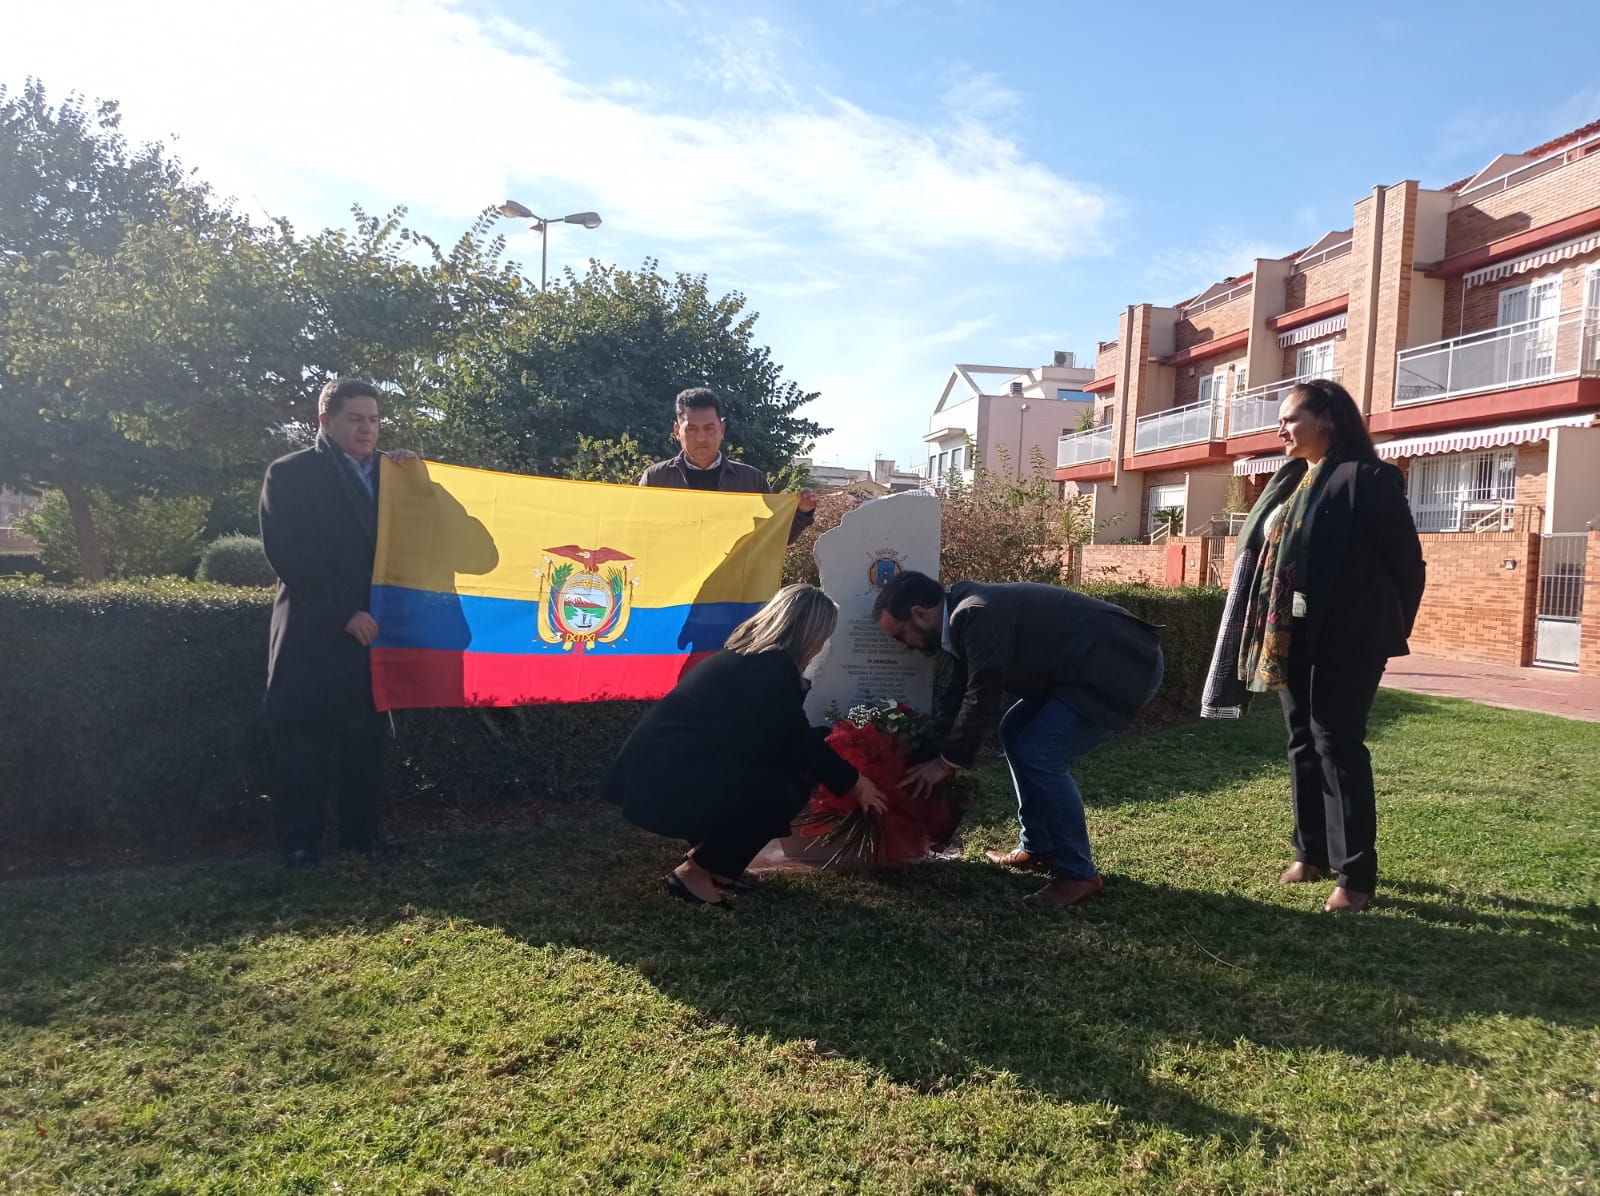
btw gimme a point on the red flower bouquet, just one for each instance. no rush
(881, 742)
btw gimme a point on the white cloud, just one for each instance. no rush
(851, 230)
(434, 106)
(748, 59)
(1174, 275)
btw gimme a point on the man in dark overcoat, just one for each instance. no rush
(319, 526)
(1079, 668)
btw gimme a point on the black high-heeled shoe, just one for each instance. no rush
(683, 892)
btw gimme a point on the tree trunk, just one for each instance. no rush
(91, 561)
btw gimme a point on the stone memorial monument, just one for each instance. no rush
(861, 665)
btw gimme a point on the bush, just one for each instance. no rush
(236, 561)
(1188, 617)
(141, 537)
(133, 716)
(22, 564)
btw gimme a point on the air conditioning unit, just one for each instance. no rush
(1063, 359)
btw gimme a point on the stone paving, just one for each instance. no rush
(1548, 691)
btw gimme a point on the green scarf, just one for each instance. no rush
(1280, 573)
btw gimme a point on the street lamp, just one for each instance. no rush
(1022, 422)
(513, 209)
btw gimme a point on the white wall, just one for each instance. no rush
(1007, 426)
(1572, 487)
(1208, 492)
(1120, 505)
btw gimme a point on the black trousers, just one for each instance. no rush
(309, 744)
(1325, 708)
(728, 849)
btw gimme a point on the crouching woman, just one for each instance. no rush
(727, 759)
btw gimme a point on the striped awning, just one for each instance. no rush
(1532, 261)
(1465, 439)
(1245, 466)
(1311, 332)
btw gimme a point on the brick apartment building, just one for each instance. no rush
(1465, 321)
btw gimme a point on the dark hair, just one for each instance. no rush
(904, 591)
(338, 390)
(698, 397)
(1348, 438)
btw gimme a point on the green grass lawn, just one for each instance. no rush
(526, 1011)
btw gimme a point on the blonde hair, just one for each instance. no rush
(799, 620)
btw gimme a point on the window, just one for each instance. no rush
(1591, 315)
(1450, 493)
(1213, 386)
(1069, 396)
(1166, 498)
(933, 465)
(1314, 360)
(1529, 350)
(955, 457)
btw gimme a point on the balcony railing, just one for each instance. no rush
(1083, 447)
(1194, 424)
(1525, 354)
(1256, 409)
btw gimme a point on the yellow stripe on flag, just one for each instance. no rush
(469, 531)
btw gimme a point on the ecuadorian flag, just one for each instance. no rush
(492, 589)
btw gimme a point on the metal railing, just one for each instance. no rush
(1080, 448)
(1534, 351)
(1504, 182)
(1321, 255)
(1217, 300)
(1194, 424)
(1256, 409)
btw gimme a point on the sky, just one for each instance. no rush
(895, 186)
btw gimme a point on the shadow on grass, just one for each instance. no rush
(934, 977)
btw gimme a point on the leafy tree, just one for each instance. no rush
(599, 357)
(996, 528)
(145, 536)
(70, 187)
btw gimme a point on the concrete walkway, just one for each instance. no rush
(1548, 691)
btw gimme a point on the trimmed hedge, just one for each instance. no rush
(22, 564)
(133, 716)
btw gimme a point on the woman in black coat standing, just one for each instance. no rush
(727, 759)
(1326, 589)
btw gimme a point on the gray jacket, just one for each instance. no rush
(733, 477)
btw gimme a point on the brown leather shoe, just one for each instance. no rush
(1021, 860)
(1060, 893)
(1347, 901)
(1302, 873)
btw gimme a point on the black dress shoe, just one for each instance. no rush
(739, 884)
(301, 857)
(683, 892)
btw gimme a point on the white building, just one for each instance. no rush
(1021, 415)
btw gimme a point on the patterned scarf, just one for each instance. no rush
(1269, 618)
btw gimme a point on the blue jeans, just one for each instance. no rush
(1041, 740)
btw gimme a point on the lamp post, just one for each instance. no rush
(1022, 421)
(511, 208)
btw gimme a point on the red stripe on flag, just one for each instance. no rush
(409, 678)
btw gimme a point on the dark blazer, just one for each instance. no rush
(1364, 567)
(729, 749)
(1039, 641)
(734, 477)
(320, 531)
